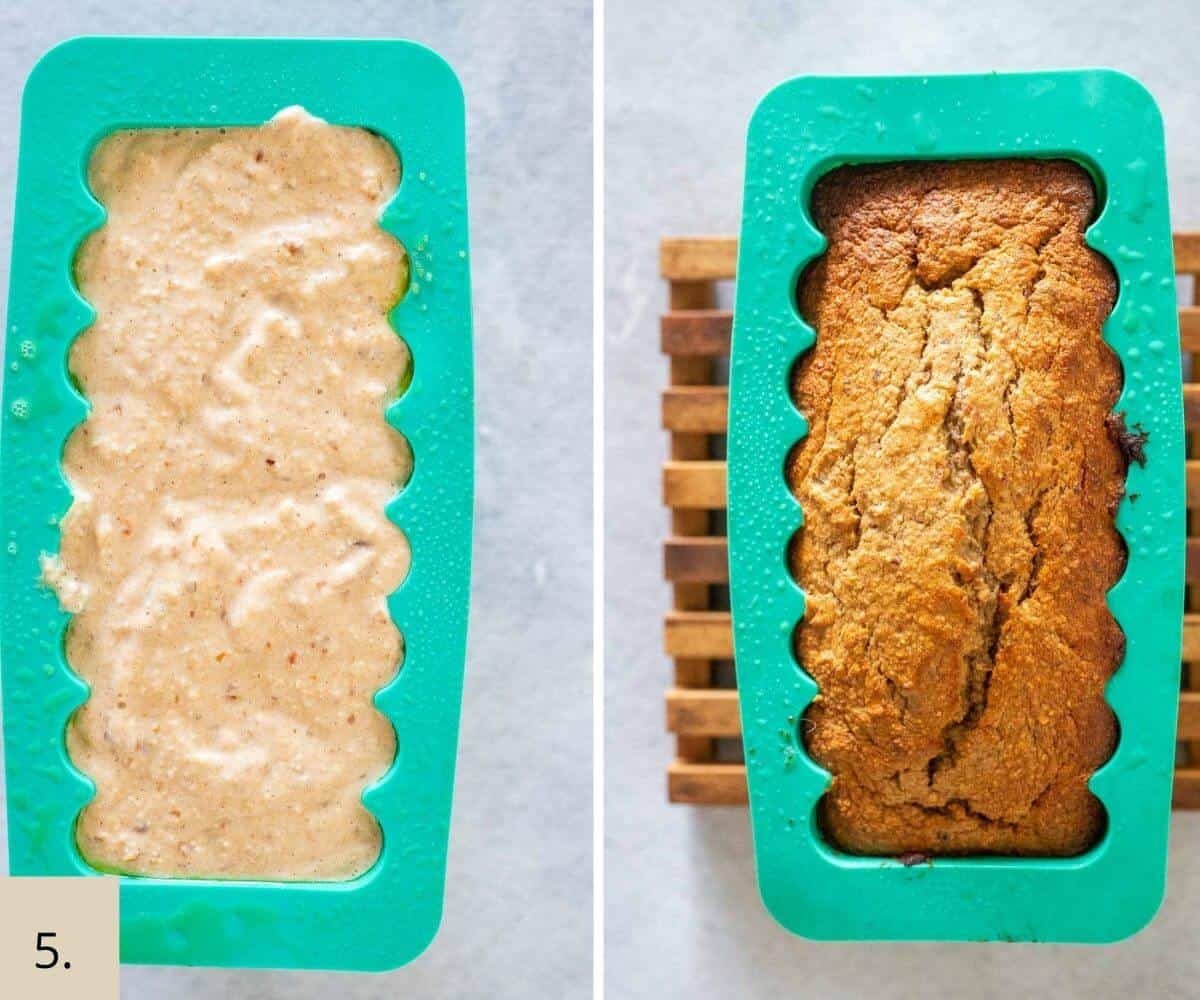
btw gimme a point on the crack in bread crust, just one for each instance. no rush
(958, 484)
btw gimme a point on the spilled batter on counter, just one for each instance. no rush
(227, 555)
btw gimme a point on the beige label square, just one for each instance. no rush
(68, 925)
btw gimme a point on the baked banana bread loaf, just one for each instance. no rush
(959, 486)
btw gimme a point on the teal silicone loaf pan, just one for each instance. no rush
(79, 93)
(804, 128)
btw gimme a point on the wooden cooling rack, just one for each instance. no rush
(702, 707)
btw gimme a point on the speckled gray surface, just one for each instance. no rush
(518, 906)
(683, 915)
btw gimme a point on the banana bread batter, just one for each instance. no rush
(227, 553)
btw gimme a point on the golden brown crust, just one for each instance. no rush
(959, 486)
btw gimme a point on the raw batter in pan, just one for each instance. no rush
(227, 556)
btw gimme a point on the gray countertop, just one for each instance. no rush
(518, 904)
(683, 914)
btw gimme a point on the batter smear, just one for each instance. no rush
(227, 555)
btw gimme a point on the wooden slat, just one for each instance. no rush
(1191, 638)
(1187, 788)
(1192, 575)
(1191, 405)
(725, 785)
(702, 484)
(696, 560)
(1189, 328)
(1187, 253)
(697, 258)
(703, 713)
(709, 633)
(708, 332)
(697, 332)
(706, 784)
(715, 713)
(703, 634)
(1189, 715)
(703, 408)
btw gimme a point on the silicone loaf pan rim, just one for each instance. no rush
(79, 92)
(807, 126)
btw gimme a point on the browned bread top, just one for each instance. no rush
(959, 484)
